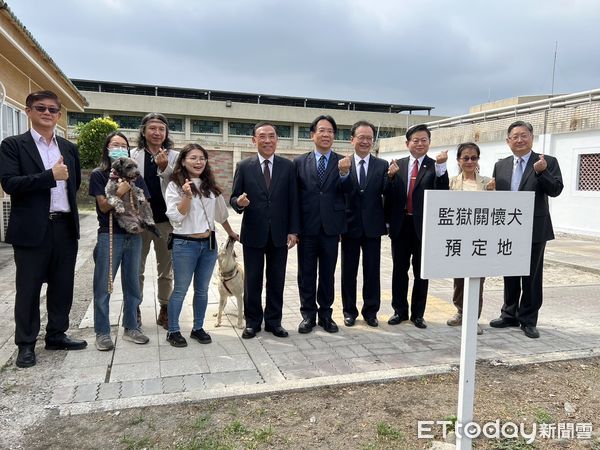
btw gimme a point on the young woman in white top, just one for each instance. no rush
(194, 204)
(468, 179)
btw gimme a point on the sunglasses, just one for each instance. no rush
(469, 158)
(43, 108)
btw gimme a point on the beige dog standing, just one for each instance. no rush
(231, 282)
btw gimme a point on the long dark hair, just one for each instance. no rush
(207, 178)
(141, 141)
(105, 163)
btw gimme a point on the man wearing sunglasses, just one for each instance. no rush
(41, 173)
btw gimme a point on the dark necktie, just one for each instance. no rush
(362, 182)
(411, 187)
(321, 169)
(267, 173)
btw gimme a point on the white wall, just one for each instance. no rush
(573, 211)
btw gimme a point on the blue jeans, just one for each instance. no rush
(127, 251)
(190, 258)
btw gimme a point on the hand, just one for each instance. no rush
(234, 236)
(441, 157)
(161, 159)
(491, 186)
(292, 240)
(243, 200)
(60, 171)
(123, 188)
(540, 165)
(187, 188)
(344, 165)
(393, 168)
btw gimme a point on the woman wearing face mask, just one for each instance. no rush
(126, 251)
(194, 204)
(467, 156)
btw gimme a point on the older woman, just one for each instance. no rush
(467, 156)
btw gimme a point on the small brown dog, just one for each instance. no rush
(133, 212)
(231, 282)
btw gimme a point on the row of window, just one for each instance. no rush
(215, 126)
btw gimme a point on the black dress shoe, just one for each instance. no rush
(372, 321)
(328, 325)
(249, 333)
(420, 323)
(501, 322)
(396, 319)
(65, 343)
(277, 331)
(306, 326)
(349, 321)
(26, 356)
(530, 331)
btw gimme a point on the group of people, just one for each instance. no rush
(315, 201)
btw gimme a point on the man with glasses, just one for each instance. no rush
(156, 159)
(41, 172)
(264, 190)
(409, 178)
(527, 171)
(322, 221)
(363, 178)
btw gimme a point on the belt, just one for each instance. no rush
(189, 238)
(59, 215)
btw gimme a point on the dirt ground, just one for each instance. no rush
(371, 416)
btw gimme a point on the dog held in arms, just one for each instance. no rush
(231, 282)
(132, 211)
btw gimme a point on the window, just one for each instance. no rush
(284, 131)
(383, 134)
(74, 117)
(589, 172)
(304, 132)
(14, 121)
(342, 134)
(128, 122)
(241, 128)
(206, 126)
(175, 124)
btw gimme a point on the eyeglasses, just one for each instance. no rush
(516, 137)
(43, 108)
(469, 158)
(364, 138)
(195, 158)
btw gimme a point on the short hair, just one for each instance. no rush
(41, 95)
(417, 128)
(142, 143)
(520, 123)
(263, 124)
(465, 146)
(362, 123)
(313, 125)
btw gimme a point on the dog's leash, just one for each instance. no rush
(226, 278)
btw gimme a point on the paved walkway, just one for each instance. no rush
(156, 373)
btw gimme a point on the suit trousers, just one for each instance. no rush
(459, 294)
(526, 289)
(404, 247)
(254, 268)
(51, 262)
(317, 252)
(371, 260)
(164, 262)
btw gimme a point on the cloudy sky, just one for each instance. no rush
(447, 54)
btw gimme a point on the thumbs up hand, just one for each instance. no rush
(60, 171)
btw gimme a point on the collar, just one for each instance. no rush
(37, 137)
(326, 155)
(358, 159)
(261, 160)
(524, 157)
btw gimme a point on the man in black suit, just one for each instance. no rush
(322, 221)
(363, 179)
(409, 178)
(41, 173)
(527, 171)
(264, 189)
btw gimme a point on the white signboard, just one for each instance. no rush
(476, 234)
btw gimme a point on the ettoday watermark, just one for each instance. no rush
(508, 430)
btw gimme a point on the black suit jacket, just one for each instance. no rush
(274, 209)
(547, 184)
(364, 209)
(321, 207)
(397, 189)
(23, 176)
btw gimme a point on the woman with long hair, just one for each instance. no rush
(194, 204)
(467, 156)
(115, 243)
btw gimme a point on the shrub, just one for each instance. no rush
(90, 139)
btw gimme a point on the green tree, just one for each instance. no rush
(90, 139)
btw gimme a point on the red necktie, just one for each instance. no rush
(411, 187)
